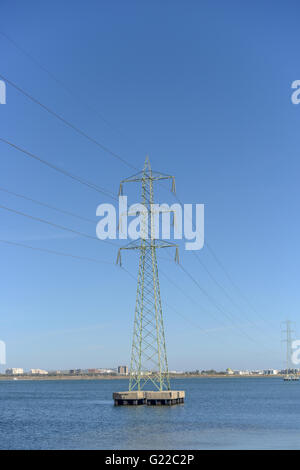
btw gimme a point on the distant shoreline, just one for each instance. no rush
(124, 377)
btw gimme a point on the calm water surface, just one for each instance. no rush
(237, 413)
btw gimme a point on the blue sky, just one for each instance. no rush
(204, 88)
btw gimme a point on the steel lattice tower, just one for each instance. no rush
(288, 342)
(149, 365)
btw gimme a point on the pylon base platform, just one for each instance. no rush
(129, 398)
(164, 398)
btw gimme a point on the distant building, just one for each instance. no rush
(242, 372)
(270, 372)
(123, 370)
(289, 371)
(54, 372)
(14, 371)
(38, 372)
(75, 372)
(229, 371)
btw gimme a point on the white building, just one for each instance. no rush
(106, 371)
(271, 372)
(14, 371)
(38, 372)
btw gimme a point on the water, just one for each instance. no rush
(239, 413)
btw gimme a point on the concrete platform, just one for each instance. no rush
(129, 398)
(165, 398)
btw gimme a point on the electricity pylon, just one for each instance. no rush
(149, 365)
(288, 342)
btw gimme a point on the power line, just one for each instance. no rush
(190, 298)
(43, 204)
(61, 227)
(84, 134)
(185, 318)
(68, 123)
(93, 260)
(59, 253)
(40, 203)
(179, 288)
(221, 310)
(75, 96)
(73, 177)
(97, 261)
(198, 285)
(225, 291)
(60, 170)
(225, 271)
(234, 284)
(96, 142)
(230, 317)
(78, 130)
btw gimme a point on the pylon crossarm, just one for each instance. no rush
(145, 244)
(147, 175)
(154, 176)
